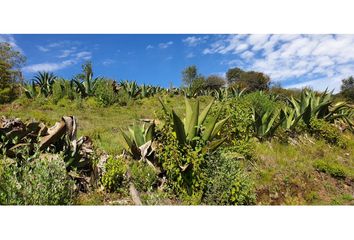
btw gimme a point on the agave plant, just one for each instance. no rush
(190, 91)
(288, 117)
(264, 123)
(84, 82)
(131, 88)
(192, 128)
(31, 91)
(137, 141)
(320, 106)
(225, 93)
(146, 91)
(45, 82)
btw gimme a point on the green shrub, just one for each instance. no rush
(182, 166)
(91, 102)
(239, 124)
(243, 147)
(324, 130)
(7, 95)
(114, 174)
(144, 176)
(227, 184)
(333, 169)
(261, 101)
(105, 94)
(40, 182)
(64, 102)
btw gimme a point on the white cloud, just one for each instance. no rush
(247, 55)
(194, 41)
(190, 55)
(317, 60)
(165, 45)
(107, 62)
(54, 66)
(47, 67)
(149, 47)
(84, 55)
(67, 52)
(42, 49)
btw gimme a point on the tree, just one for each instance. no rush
(251, 80)
(189, 74)
(214, 82)
(233, 75)
(255, 81)
(347, 88)
(11, 62)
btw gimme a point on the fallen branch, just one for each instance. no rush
(132, 190)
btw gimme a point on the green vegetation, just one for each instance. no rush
(203, 143)
(114, 175)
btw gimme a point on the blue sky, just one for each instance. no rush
(318, 61)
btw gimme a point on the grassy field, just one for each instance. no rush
(306, 171)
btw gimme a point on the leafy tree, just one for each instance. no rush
(214, 82)
(189, 74)
(251, 80)
(193, 79)
(233, 75)
(11, 62)
(347, 88)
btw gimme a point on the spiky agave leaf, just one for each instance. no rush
(178, 127)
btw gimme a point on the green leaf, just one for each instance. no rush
(178, 128)
(218, 127)
(193, 122)
(204, 113)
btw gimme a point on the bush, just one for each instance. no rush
(91, 102)
(227, 184)
(41, 182)
(7, 94)
(63, 89)
(114, 174)
(182, 166)
(333, 169)
(240, 119)
(144, 176)
(105, 94)
(324, 130)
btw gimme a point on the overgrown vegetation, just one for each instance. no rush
(203, 143)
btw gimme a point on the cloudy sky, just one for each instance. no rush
(318, 61)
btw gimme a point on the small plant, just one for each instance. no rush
(324, 130)
(333, 169)
(227, 184)
(137, 141)
(144, 176)
(40, 182)
(114, 175)
(106, 94)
